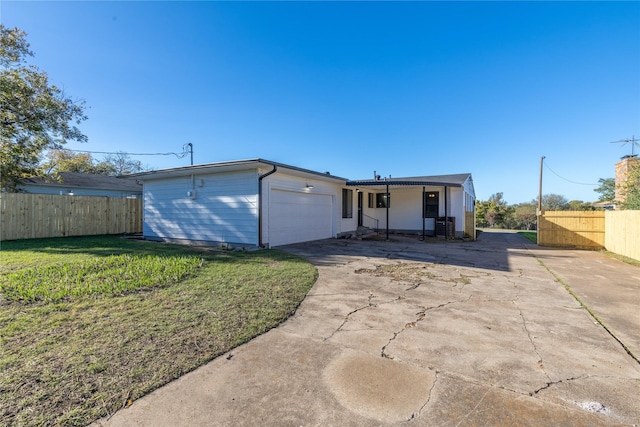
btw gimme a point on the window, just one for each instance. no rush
(382, 201)
(371, 202)
(347, 203)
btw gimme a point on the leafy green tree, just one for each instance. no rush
(525, 215)
(34, 115)
(553, 202)
(579, 205)
(631, 188)
(122, 164)
(67, 161)
(607, 189)
(481, 211)
(494, 212)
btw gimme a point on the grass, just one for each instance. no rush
(622, 258)
(531, 235)
(112, 275)
(76, 345)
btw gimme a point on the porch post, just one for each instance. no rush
(388, 201)
(446, 213)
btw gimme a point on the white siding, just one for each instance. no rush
(224, 209)
(369, 214)
(456, 207)
(405, 208)
(469, 189)
(303, 225)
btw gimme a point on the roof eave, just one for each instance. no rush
(227, 166)
(401, 183)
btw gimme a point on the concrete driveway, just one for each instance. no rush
(429, 334)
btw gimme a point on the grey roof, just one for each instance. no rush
(228, 166)
(85, 180)
(454, 180)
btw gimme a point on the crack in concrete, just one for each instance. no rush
(433, 386)
(383, 352)
(370, 304)
(351, 313)
(552, 383)
(526, 328)
(583, 305)
(475, 407)
(421, 315)
(533, 344)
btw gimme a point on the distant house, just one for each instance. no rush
(82, 184)
(260, 203)
(607, 205)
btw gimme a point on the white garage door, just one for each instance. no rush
(299, 217)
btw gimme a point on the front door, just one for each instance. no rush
(431, 210)
(359, 208)
(431, 204)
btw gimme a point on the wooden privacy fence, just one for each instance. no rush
(617, 231)
(577, 229)
(29, 216)
(470, 224)
(622, 233)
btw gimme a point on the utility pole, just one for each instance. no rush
(540, 188)
(539, 202)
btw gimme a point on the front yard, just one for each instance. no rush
(87, 325)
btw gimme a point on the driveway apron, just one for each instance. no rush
(437, 333)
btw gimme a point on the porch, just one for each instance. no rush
(419, 206)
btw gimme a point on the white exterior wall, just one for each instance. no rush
(347, 224)
(405, 211)
(313, 185)
(468, 188)
(407, 214)
(296, 205)
(456, 207)
(224, 209)
(370, 214)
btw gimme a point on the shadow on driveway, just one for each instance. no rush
(409, 333)
(492, 251)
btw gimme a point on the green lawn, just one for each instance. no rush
(87, 325)
(531, 235)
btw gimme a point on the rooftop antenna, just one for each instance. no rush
(633, 142)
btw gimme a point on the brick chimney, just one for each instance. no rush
(622, 172)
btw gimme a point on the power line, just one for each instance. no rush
(568, 180)
(178, 155)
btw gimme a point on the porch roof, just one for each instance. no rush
(437, 181)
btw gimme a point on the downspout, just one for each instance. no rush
(260, 178)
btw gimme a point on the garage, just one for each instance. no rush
(299, 217)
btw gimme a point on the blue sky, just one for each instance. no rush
(402, 88)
